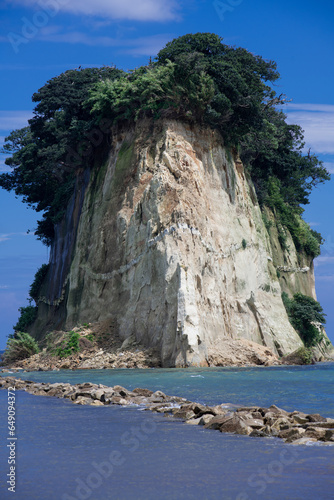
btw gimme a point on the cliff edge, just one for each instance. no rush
(166, 240)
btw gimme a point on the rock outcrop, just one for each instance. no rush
(166, 240)
(294, 427)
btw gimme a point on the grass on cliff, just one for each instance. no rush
(123, 163)
(69, 346)
(289, 218)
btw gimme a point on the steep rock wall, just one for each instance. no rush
(168, 242)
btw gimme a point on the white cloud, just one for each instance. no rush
(146, 46)
(329, 166)
(10, 120)
(326, 278)
(143, 10)
(328, 108)
(317, 121)
(324, 259)
(8, 236)
(149, 45)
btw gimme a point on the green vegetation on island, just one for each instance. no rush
(197, 79)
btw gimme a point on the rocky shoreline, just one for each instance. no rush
(91, 359)
(232, 353)
(98, 347)
(293, 427)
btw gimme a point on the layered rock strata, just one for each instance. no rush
(294, 427)
(167, 241)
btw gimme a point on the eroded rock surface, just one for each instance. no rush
(170, 246)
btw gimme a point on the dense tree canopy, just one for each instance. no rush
(45, 154)
(195, 78)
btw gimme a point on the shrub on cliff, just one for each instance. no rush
(21, 346)
(35, 287)
(306, 316)
(289, 217)
(28, 315)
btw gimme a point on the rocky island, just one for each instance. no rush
(175, 220)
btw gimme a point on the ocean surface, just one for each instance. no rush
(66, 452)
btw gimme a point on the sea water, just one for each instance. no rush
(67, 452)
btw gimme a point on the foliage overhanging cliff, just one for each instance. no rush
(196, 80)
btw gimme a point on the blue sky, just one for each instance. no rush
(41, 39)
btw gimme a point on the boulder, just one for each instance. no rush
(65, 365)
(329, 435)
(270, 418)
(205, 419)
(194, 421)
(81, 400)
(184, 414)
(142, 392)
(291, 434)
(281, 424)
(159, 394)
(56, 391)
(254, 423)
(329, 424)
(98, 394)
(200, 410)
(257, 414)
(300, 418)
(70, 393)
(279, 411)
(121, 391)
(315, 432)
(96, 402)
(118, 400)
(84, 393)
(217, 421)
(219, 410)
(265, 431)
(235, 425)
(108, 394)
(315, 417)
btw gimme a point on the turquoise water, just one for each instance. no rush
(100, 453)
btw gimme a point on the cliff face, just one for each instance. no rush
(166, 240)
